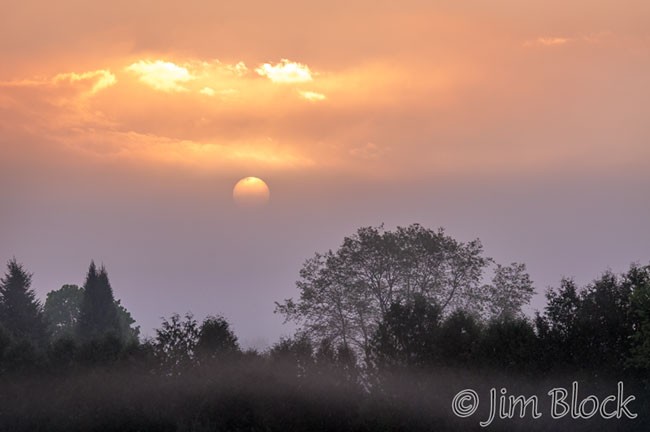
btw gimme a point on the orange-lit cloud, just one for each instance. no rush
(138, 147)
(556, 41)
(312, 96)
(238, 69)
(548, 41)
(101, 78)
(285, 72)
(90, 81)
(212, 114)
(161, 75)
(208, 91)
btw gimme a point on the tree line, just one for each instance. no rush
(86, 325)
(417, 298)
(412, 297)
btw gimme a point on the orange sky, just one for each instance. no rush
(302, 85)
(146, 102)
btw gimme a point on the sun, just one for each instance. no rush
(251, 192)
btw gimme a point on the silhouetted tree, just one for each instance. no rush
(175, 342)
(20, 312)
(102, 350)
(509, 344)
(21, 356)
(511, 289)
(62, 309)
(638, 279)
(5, 342)
(128, 333)
(605, 323)
(344, 294)
(337, 364)
(216, 339)
(408, 334)
(62, 353)
(459, 339)
(558, 328)
(590, 328)
(297, 352)
(98, 315)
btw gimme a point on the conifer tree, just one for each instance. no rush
(98, 314)
(20, 312)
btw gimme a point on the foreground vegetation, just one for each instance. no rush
(257, 393)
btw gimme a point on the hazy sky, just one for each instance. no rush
(124, 126)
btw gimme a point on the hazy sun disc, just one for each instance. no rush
(251, 192)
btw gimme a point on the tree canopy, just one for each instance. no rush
(63, 308)
(216, 338)
(345, 293)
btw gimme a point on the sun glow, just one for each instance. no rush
(251, 192)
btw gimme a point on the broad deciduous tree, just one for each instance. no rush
(62, 309)
(345, 293)
(175, 342)
(215, 338)
(511, 289)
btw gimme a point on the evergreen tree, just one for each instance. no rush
(20, 312)
(98, 315)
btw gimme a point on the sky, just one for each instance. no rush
(124, 126)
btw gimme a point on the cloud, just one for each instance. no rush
(557, 41)
(210, 68)
(548, 41)
(208, 78)
(161, 75)
(62, 101)
(133, 145)
(208, 91)
(285, 72)
(371, 111)
(312, 96)
(96, 79)
(238, 69)
(102, 79)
